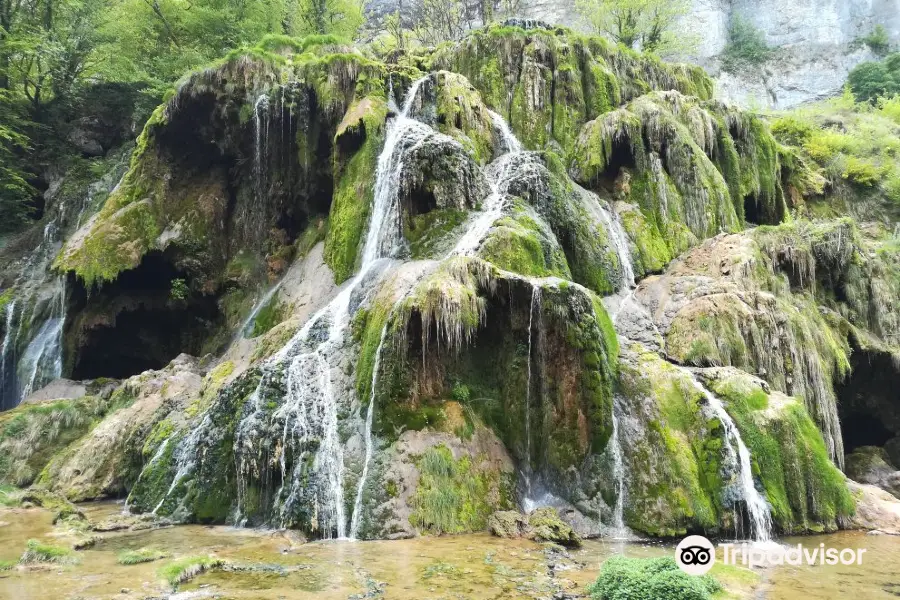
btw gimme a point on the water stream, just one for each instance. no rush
(757, 507)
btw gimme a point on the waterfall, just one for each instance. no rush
(309, 411)
(467, 244)
(370, 412)
(535, 302)
(511, 144)
(616, 234)
(7, 380)
(246, 327)
(757, 507)
(618, 520)
(499, 173)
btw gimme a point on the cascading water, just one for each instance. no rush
(246, 327)
(308, 413)
(32, 351)
(535, 303)
(757, 507)
(370, 414)
(42, 360)
(618, 521)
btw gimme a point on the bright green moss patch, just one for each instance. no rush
(522, 244)
(624, 578)
(430, 233)
(143, 555)
(452, 496)
(804, 488)
(362, 130)
(270, 315)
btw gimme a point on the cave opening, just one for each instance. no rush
(140, 321)
(621, 161)
(869, 400)
(752, 213)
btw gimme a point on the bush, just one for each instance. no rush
(872, 80)
(624, 578)
(746, 46)
(878, 40)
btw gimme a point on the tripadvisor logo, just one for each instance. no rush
(696, 555)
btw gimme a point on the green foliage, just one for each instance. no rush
(746, 46)
(878, 40)
(624, 578)
(38, 552)
(852, 146)
(872, 80)
(179, 290)
(452, 496)
(650, 25)
(143, 555)
(15, 191)
(339, 17)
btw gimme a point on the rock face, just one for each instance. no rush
(606, 305)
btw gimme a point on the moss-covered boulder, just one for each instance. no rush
(679, 476)
(546, 526)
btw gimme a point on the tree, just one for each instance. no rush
(338, 17)
(436, 21)
(871, 80)
(15, 191)
(640, 24)
(746, 46)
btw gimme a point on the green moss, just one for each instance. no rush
(462, 115)
(354, 180)
(428, 234)
(32, 434)
(676, 462)
(804, 488)
(520, 244)
(270, 315)
(452, 495)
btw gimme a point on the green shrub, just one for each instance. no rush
(746, 47)
(878, 40)
(624, 578)
(179, 290)
(872, 80)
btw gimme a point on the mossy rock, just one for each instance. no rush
(546, 526)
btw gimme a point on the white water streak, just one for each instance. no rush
(757, 507)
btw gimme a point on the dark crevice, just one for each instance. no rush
(867, 400)
(141, 321)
